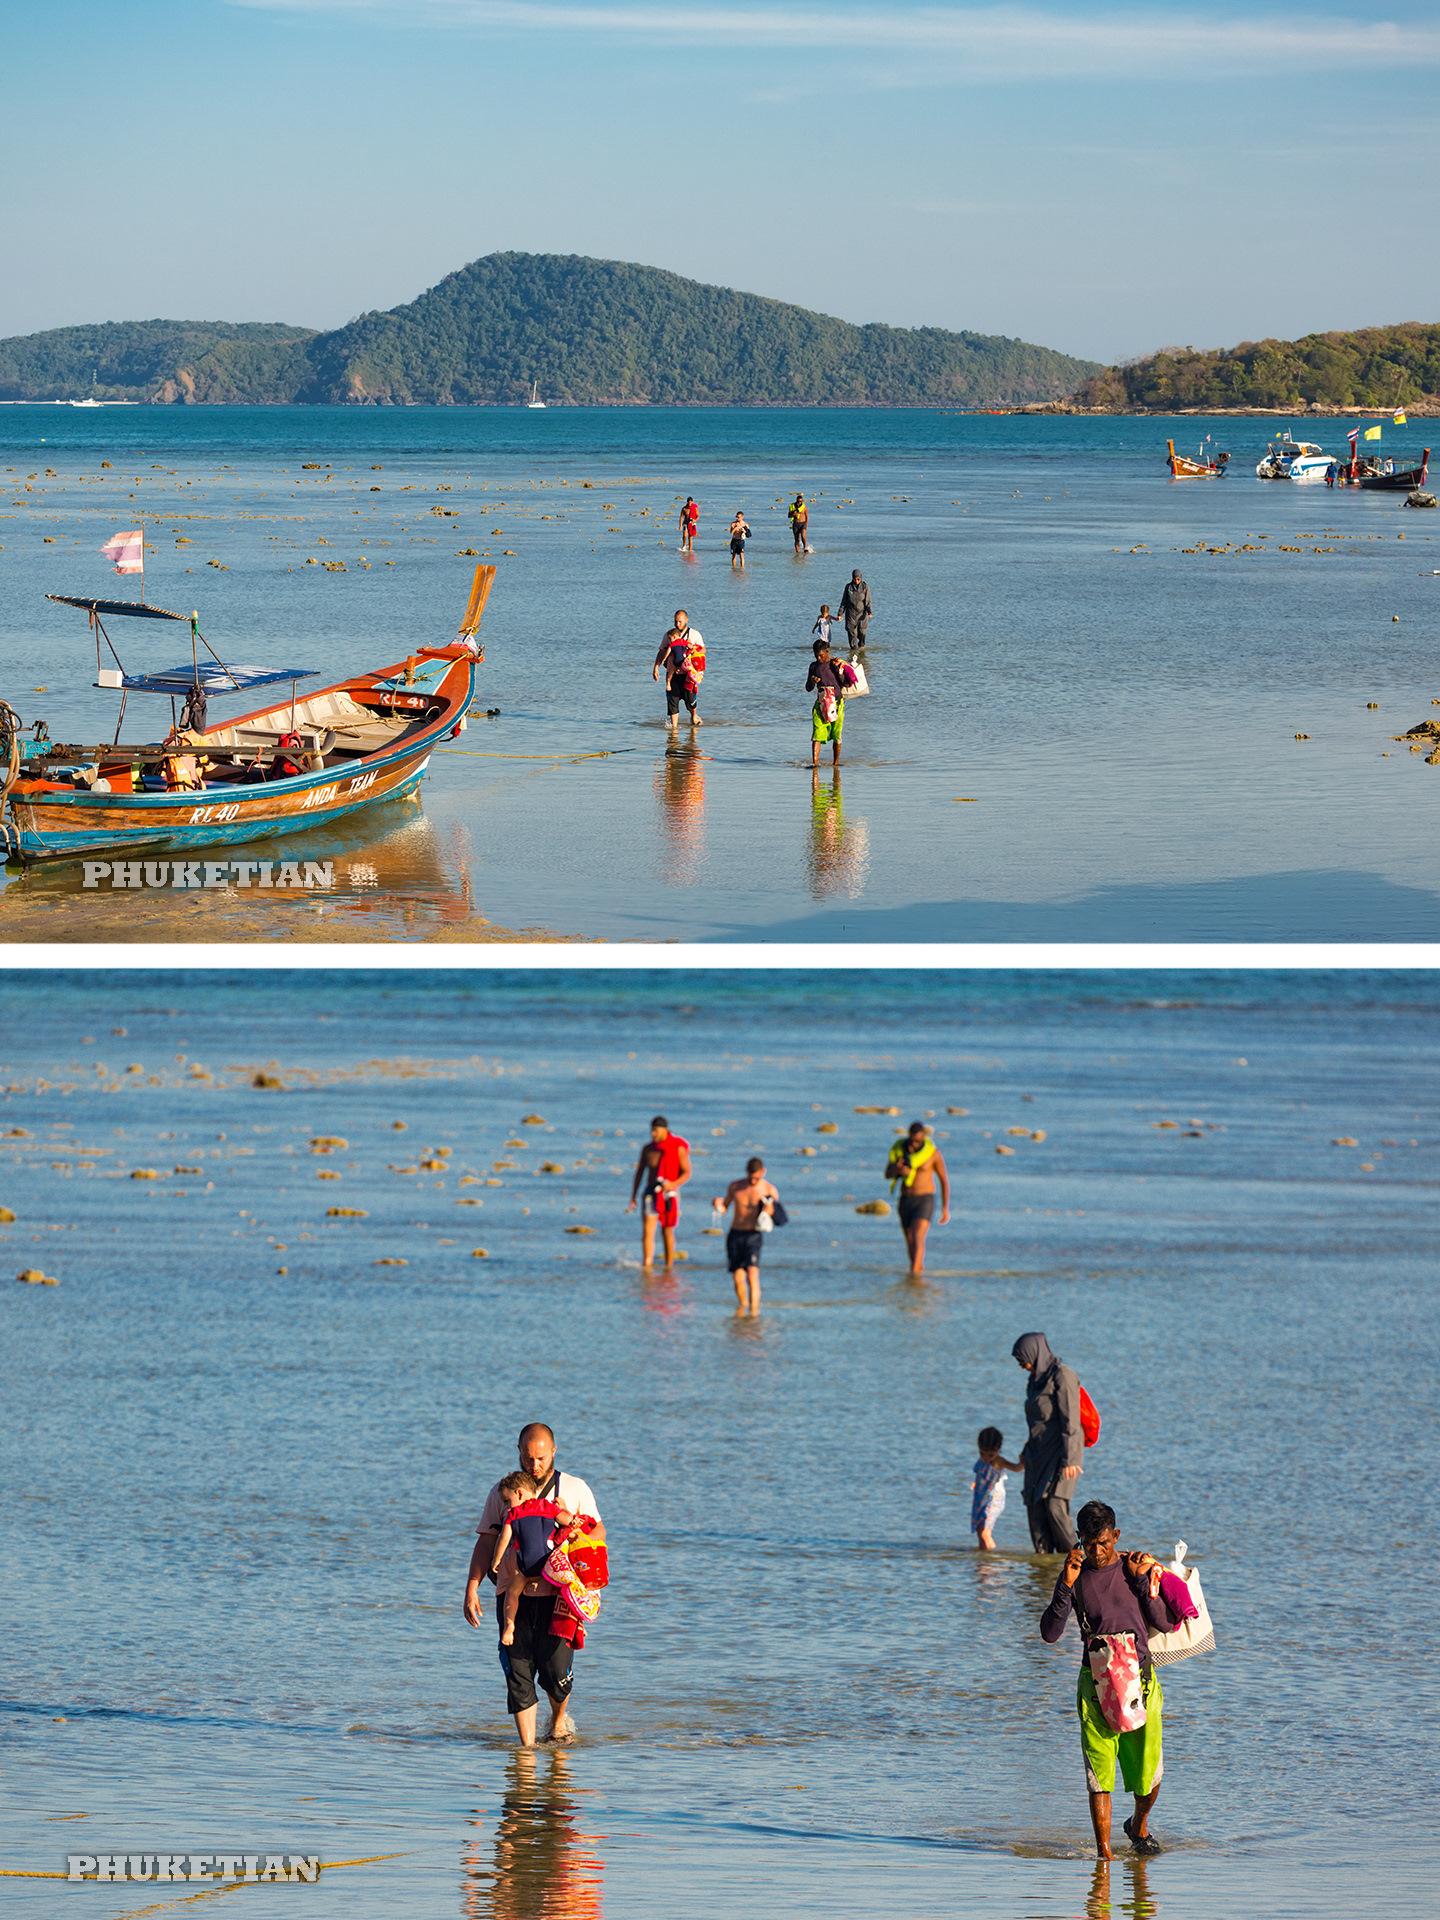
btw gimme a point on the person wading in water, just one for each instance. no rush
(1052, 1455)
(535, 1652)
(1118, 1594)
(914, 1163)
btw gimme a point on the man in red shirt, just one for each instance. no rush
(664, 1166)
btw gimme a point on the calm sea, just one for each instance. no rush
(1086, 694)
(247, 1449)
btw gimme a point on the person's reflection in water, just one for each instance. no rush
(839, 848)
(680, 789)
(1133, 1900)
(545, 1867)
(1097, 1903)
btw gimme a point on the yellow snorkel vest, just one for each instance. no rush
(917, 1159)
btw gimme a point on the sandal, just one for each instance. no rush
(1141, 1842)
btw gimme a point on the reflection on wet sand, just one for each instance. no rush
(544, 1867)
(839, 855)
(392, 872)
(680, 790)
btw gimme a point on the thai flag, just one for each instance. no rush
(127, 550)
(1353, 435)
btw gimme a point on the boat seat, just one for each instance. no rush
(364, 736)
(314, 739)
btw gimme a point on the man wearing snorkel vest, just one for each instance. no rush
(914, 1163)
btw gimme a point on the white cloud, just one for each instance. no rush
(982, 43)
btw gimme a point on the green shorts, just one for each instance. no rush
(824, 731)
(1139, 1753)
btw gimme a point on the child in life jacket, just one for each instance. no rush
(532, 1545)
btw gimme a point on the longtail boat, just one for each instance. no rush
(1385, 476)
(297, 764)
(1198, 469)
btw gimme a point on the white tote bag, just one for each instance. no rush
(1191, 1636)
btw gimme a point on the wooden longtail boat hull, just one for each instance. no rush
(1186, 469)
(69, 824)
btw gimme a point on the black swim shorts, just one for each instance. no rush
(916, 1206)
(742, 1248)
(535, 1654)
(673, 700)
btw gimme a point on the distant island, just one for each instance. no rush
(592, 332)
(1373, 370)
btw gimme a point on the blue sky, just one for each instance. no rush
(1104, 180)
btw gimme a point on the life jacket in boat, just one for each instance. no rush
(286, 761)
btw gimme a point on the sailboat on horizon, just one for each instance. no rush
(535, 401)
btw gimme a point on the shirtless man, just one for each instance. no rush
(534, 1652)
(750, 1197)
(664, 1166)
(915, 1161)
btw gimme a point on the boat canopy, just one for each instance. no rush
(107, 607)
(213, 678)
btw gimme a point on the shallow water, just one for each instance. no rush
(247, 1460)
(1085, 695)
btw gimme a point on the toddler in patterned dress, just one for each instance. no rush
(988, 1487)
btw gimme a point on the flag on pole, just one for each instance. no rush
(1400, 420)
(1372, 433)
(1353, 436)
(127, 550)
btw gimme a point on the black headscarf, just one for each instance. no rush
(1033, 1349)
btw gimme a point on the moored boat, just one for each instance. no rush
(1200, 468)
(299, 763)
(1384, 476)
(1290, 459)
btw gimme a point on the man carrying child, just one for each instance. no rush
(533, 1651)
(682, 655)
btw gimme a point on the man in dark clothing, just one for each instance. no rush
(855, 609)
(1113, 1593)
(1056, 1446)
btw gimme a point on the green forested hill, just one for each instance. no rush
(136, 359)
(1375, 368)
(592, 332)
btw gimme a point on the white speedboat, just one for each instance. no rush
(1290, 459)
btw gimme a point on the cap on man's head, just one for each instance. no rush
(660, 1121)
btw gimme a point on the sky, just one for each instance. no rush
(1101, 180)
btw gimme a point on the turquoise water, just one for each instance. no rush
(1067, 737)
(240, 1500)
